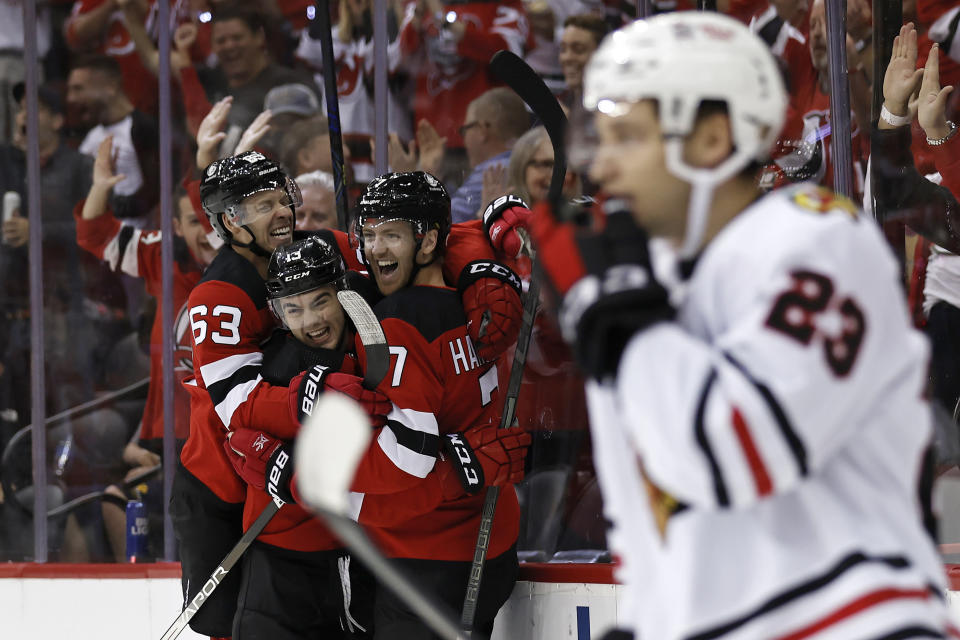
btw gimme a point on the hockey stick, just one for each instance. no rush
(320, 29)
(221, 571)
(329, 447)
(371, 335)
(378, 363)
(517, 74)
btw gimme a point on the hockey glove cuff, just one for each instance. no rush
(502, 219)
(490, 293)
(305, 390)
(486, 456)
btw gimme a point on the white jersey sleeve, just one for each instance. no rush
(786, 341)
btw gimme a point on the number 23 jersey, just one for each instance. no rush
(776, 438)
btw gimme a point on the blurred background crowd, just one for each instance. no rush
(250, 73)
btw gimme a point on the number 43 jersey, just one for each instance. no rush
(764, 459)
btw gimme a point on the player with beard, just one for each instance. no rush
(439, 388)
(314, 585)
(250, 203)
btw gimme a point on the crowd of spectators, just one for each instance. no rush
(249, 74)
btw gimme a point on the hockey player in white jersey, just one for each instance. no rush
(759, 427)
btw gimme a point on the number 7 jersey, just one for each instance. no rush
(438, 385)
(764, 458)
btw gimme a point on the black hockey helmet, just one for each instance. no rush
(301, 267)
(227, 182)
(415, 196)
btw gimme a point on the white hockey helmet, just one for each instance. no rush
(680, 60)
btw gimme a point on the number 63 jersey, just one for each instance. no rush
(765, 458)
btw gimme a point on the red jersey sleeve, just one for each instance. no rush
(507, 29)
(122, 247)
(226, 328)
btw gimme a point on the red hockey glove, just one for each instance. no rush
(305, 390)
(502, 219)
(485, 457)
(373, 402)
(490, 293)
(264, 462)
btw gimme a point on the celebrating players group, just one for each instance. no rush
(754, 384)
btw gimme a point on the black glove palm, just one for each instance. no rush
(619, 297)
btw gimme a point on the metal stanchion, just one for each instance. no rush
(37, 381)
(840, 147)
(166, 273)
(380, 67)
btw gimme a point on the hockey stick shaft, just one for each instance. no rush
(221, 571)
(525, 82)
(321, 29)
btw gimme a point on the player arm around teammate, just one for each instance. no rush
(440, 388)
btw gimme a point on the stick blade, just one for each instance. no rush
(329, 447)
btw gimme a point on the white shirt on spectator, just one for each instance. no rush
(123, 151)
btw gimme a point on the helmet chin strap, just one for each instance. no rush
(703, 183)
(252, 245)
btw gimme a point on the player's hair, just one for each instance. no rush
(523, 150)
(251, 17)
(317, 178)
(102, 63)
(298, 135)
(593, 23)
(505, 112)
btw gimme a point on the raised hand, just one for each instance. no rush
(932, 103)
(183, 39)
(400, 158)
(432, 147)
(902, 77)
(252, 134)
(210, 133)
(104, 166)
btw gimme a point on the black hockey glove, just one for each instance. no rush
(618, 297)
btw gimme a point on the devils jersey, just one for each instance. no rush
(805, 144)
(229, 318)
(768, 476)
(138, 83)
(438, 385)
(354, 69)
(137, 253)
(450, 73)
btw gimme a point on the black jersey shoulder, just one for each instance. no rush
(432, 310)
(284, 357)
(231, 267)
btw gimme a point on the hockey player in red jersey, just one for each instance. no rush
(312, 578)
(250, 203)
(755, 386)
(315, 588)
(439, 387)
